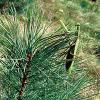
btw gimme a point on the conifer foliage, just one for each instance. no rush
(31, 66)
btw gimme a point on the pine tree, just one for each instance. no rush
(33, 63)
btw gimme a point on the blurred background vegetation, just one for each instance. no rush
(53, 82)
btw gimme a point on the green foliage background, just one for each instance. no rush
(47, 77)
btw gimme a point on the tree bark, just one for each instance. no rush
(25, 75)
